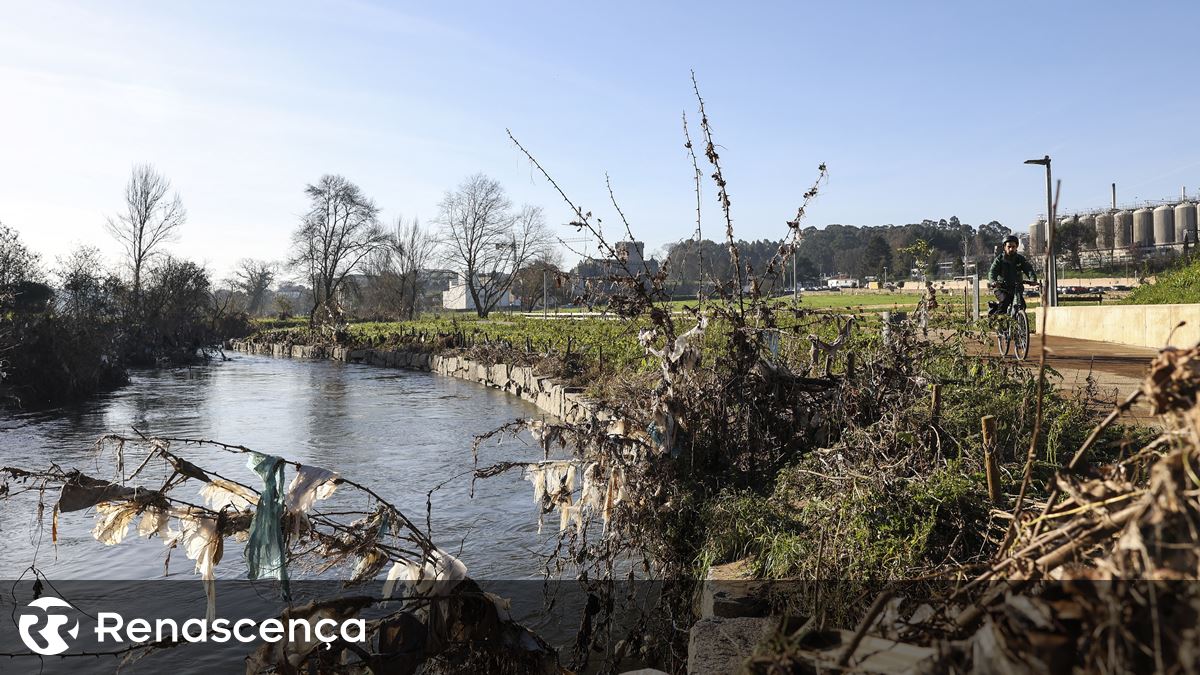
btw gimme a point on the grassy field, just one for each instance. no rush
(603, 344)
(861, 301)
(1177, 286)
(839, 300)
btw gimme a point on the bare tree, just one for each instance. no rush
(396, 270)
(415, 247)
(335, 237)
(541, 280)
(254, 278)
(485, 242)
(151, 218)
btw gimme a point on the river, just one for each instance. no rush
(398, 432)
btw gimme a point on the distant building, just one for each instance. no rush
(297, 298)
(632, 252)
(458, 297)
(842, 282)
(437, 280)
(595, 276)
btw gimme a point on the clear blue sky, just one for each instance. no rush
(921, 110)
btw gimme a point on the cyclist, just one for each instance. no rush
(1006, 274)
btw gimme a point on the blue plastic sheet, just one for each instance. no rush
(266, 551)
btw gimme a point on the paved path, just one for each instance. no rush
(1117, 369)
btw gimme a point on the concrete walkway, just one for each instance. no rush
(1118, 370)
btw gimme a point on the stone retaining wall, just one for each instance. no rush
(566, 403)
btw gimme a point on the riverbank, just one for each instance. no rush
(567, 403)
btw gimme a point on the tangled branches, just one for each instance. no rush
(444, 614)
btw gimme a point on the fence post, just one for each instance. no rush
(988, 423)
(975, 292)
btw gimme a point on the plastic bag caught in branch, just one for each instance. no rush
(113, 520)
(202, 542)
(368, 565)
(308, 485)
(266, 552)
(83, 492)
(219, 494)
(154, 520)
(438, 567)
(553, 483)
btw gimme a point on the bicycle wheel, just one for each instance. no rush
(1002, 335)
(1020, 335)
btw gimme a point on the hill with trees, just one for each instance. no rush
(841, 249)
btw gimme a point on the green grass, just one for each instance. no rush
(839, 300)
(608, 337)
(1177, 286)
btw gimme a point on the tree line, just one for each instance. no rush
(839, 250)
(71, 328)
(346, 256)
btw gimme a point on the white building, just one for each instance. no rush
(458, 297)
(842, 282)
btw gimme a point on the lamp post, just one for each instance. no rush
(1051, 299)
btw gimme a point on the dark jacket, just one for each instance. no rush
(1009, 272)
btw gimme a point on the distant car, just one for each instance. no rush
(1032, 293)
(1120, 287)
(1095, 290)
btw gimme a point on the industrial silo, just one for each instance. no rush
(1164, 225)
(1123, 229)
(1143, 227)
(1037, 237)
(1104, 231)
(1185, 223)
(1089, 224)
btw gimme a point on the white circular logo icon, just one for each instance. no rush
(51, 642)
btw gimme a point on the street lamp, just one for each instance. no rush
(1051, 299)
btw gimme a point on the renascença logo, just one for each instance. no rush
(109, 626)
(51, 633)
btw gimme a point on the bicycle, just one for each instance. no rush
(1013, 331)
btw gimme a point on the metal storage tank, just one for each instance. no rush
(1037, 237)
(1143, 227)
(1104, 231)
(1122, 229)
(1185, 223)
(1089, 222)
(1164, 225)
